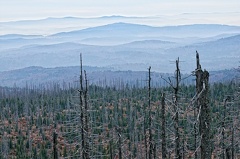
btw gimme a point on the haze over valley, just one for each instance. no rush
(120, 45)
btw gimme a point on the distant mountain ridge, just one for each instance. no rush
(122, 33)
(66, 17)
(125, 46)
(215, 55)
(123, 29)
(38, 75)
(51, 25)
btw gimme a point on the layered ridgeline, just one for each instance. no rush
(100, 76)
(125, 46)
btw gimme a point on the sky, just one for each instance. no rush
(12, 10)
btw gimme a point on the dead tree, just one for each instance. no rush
(149, 115)
(176, 108)
(86, 117)
(195, 135)
(145, 133)
(81, 108)
(202, 89)
(175, 103)
(84, 114)
(164, 148)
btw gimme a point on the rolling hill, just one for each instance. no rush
(215, 55)
(96, 75)
(136, 30)
(125, 46)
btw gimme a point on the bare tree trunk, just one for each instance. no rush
(81, 109)
(176, 125)
(150, 116)
(86, 128)
(164, 148)
(205, 121)
(145, 134)
(84, 114)
(195, 135)
(202, 78)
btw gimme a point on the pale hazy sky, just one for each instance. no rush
(36, 9)
(168, 12)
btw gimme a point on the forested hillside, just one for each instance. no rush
(79, 120)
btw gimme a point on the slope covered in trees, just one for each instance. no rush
(122, 121)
